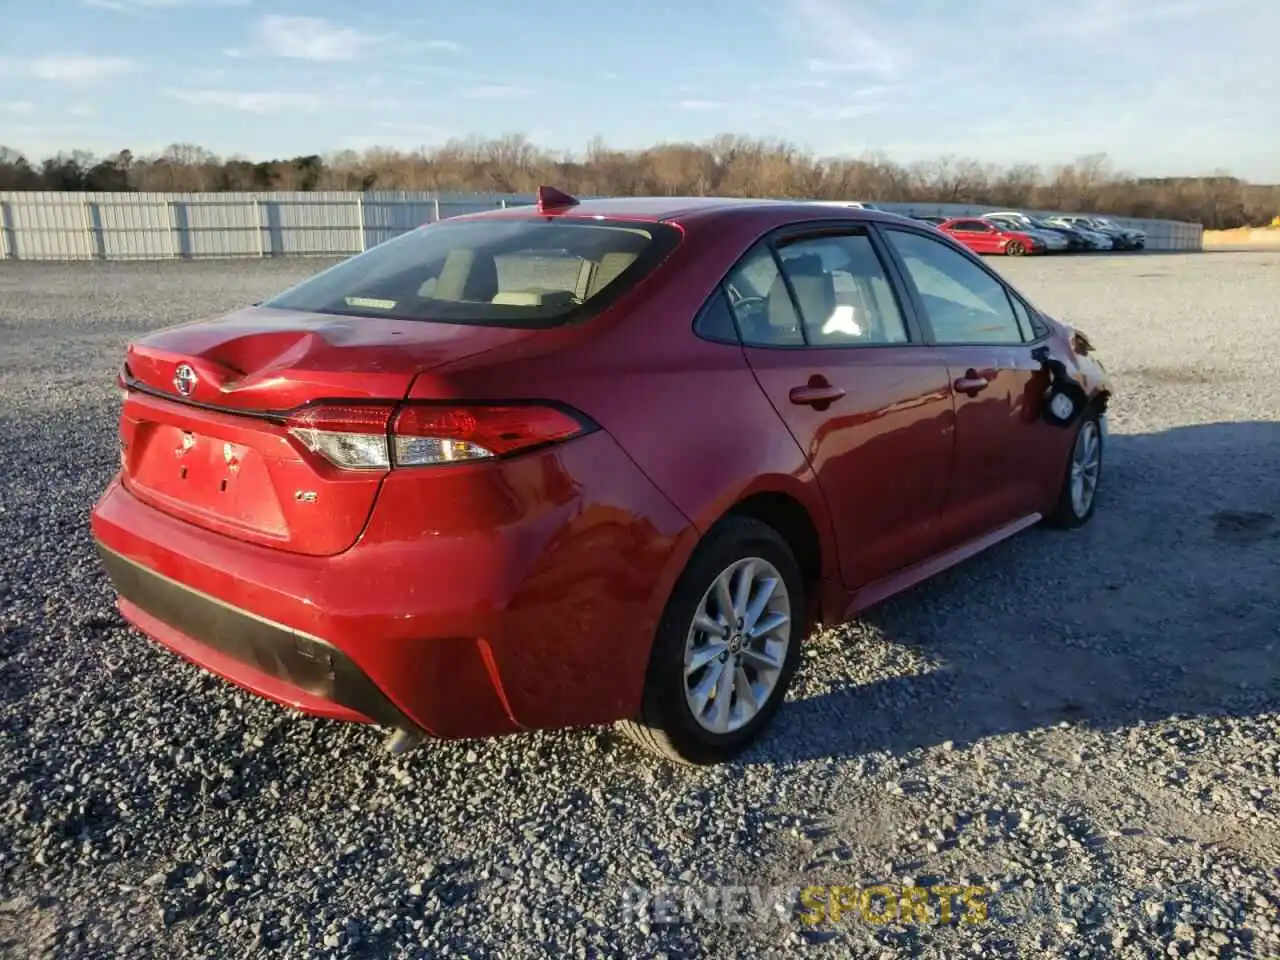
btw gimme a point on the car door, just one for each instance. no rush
(962, 232)
(986, 237)
(835, 347)
(1003, 448)
(983, 237)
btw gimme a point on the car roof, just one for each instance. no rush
(684, 208)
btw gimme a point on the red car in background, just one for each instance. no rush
(983, 236)
(586, 462)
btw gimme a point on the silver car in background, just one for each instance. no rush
(1053, 242)
(1095, 239)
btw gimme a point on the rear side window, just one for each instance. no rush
(499, 272)
(844, 296)
(761, 302)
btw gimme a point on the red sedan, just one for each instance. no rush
(586, 462)
(983, 236)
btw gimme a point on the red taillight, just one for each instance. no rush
(366, 437)
(426, 433)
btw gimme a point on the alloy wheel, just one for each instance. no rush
(737, 645)
(1086, 465)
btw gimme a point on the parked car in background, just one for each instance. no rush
(1097, 239)
(852, 204)
(1054, 242)
(448, 485)
(987, 236)
(1121, 239)
(1091, 240)
(1137, 239)
(1076, 241)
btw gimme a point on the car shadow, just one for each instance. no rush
(1165, 604)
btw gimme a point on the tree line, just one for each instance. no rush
(726, 165)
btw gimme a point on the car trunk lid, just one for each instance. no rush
(205, 432)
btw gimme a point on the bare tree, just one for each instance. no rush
(729, 164)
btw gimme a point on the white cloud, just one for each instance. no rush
(262, 102)
(788, 83)
(306, 38)
(848, 111)
(702, 104)
(19, 108)
(138, 6)
(70, 68)
(1107, 20)
(849, 36)
(495, 91)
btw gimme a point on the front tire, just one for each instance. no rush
(1015, 249)
(726, 647)
(1078, 497)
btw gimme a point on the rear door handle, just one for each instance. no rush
(971, 383)
(813, 396)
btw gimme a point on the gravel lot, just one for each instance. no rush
(1087, 724)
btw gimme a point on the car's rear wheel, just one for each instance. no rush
(1015, 248)
(1084, 470)
(726, 647)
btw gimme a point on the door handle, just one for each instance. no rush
(816, 395)
(971, 383)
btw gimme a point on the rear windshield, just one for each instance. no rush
(499, 272)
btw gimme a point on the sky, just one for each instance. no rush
(1163, 87)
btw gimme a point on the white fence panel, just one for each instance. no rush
(47, 225)
(127, 229)
(50, 225)
(210, 225)
(314, 224)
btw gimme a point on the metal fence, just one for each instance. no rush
(50, 225)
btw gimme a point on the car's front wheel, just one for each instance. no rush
(1084, 469)
(1015, 248)
(726, 647)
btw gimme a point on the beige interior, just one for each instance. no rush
(523, 281)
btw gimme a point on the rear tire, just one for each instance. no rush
(1078, 496)
(1015, 249)
(738, 551)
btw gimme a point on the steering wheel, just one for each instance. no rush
(743, 302)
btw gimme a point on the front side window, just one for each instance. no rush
(1033, 327)
(500, 272)
(964, 303)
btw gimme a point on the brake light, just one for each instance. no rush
(367, 437)
(426, 434)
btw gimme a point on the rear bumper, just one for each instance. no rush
(471, 608)
(268, 658)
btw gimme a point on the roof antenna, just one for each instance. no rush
(550, 199)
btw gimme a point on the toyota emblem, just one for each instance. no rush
(185, 379)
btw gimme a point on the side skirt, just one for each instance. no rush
(895, 583)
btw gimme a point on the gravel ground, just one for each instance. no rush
(1086, 725)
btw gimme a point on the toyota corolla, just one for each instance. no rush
(587, 462)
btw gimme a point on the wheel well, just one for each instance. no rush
(789, 517)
